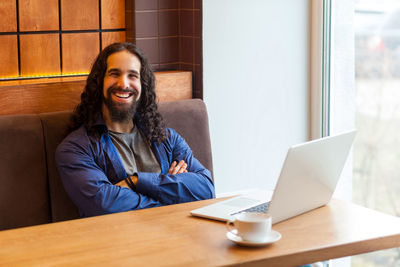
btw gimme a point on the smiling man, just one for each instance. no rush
(118, 156)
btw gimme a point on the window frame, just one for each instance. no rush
(321, 67)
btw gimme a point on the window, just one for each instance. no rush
(376, 165)
(365, 99)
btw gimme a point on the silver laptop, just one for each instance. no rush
(307, 181)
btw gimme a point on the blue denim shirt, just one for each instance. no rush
(90, 165)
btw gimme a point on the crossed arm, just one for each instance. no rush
(175, 168)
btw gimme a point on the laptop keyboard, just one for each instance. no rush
(263, 207)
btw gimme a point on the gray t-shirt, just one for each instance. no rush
(135, 152)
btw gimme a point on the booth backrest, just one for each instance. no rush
(54, 129)
(32, 191)
(190, 119)
(24, 187)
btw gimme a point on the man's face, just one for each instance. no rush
(122, 87)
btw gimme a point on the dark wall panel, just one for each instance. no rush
(170, 33)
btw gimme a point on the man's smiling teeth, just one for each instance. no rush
(122, 95)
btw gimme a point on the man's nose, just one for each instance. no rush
(123, 82)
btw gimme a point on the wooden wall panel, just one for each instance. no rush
(111, 37)
(79, 51)
(40, 54)
(112, 14)
(39, 98)
(20, 97)
(8, 56)
(38, 15)
(173, 85)
(79, 14)
(43, 16)
(8, 16)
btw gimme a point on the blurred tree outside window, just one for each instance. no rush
(376, 167)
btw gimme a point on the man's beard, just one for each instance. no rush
(120, 112)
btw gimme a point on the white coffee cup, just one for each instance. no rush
(250, 226)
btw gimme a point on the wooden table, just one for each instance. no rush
(170, 236)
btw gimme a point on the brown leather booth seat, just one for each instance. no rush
(31, 191)
(24, 198)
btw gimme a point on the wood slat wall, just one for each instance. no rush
(79, 51)
(44, 43)
(49, 95)
(80, 15)
(108, 38)
(8, 16)
(40, 54)
(38, 15)
(40, 46)
(113, 14)
(8, 55)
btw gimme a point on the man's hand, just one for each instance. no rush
(123, 183)
(177, 168)
(174, 169)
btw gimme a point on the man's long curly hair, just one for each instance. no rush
(90, 107)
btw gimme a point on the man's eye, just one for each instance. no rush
(133, 76)
(114, 74)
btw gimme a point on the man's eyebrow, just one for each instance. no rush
(118, 70)
(114, 69)
(133, 71)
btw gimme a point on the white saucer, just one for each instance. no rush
(271, 238)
